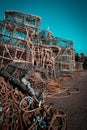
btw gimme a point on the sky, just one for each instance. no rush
(65, 18)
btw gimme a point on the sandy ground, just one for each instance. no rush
(74, 106)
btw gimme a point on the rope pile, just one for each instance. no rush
(55, 90)
(20, 111)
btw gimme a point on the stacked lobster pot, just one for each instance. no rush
(26, 58)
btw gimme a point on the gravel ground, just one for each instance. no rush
(75, 106)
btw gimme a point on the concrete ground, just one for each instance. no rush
(75, 106)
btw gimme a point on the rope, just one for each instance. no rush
(29, 111)
(68, 93)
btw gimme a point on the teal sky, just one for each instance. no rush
(65, 18)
